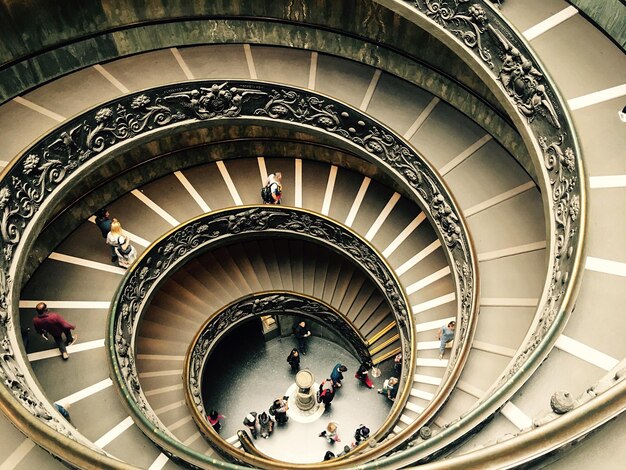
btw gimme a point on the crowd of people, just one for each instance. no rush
(262, 424)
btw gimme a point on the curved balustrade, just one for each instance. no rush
(219, 228)
(509, 67)
(231, 316)
(480, 36)
(32, 183)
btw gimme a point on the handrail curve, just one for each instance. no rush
(30, 183)
(217, 228)
(232, 315)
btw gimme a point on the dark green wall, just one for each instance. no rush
(609, 15)
(44, 39)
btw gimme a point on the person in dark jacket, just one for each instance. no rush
(337, 375)
(363, 376)
(47, 322)
(103, 221)
(390, 388)
(279, 410)
(326, 392)
(294, 360)
(362, 433)
(266, 425)
(251, 421)
(302, 332)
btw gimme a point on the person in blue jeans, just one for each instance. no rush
(446, 334)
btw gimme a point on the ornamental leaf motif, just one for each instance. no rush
(467, 24)
(218, 100)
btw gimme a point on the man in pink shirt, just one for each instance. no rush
(49, 322)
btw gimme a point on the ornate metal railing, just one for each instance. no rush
(265, 303)
(171, 251)
(501, 56)
(32, 184)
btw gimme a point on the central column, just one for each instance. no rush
(305, 397)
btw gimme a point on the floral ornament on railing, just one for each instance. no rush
(522, 79)
(561, 166)
(468, 25)
(76, 143)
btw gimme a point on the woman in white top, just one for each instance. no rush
(126, 253)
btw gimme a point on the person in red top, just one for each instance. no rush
(47, 322)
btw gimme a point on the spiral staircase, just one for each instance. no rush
(489, 175)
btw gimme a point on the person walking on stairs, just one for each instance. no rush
(118, 239)
(272, 192)
(47, 322)
(445, 335)
(103, 221)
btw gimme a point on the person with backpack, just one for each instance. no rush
(117, 238)
(272, 192)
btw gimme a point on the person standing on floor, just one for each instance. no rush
(397, 365)
(294, 360)
(326, 393)
(273, 190)
(251, 421)
(390, 388)
(103, 221)
(266, 425)
(214, 420)
(302, 332)
(279, 410)
(362, 433)
(330, 433)
(337, 375)
(363, 375)
(445, 335)
(47, 322)
(118, 239)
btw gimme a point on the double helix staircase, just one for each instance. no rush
(501, 203)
